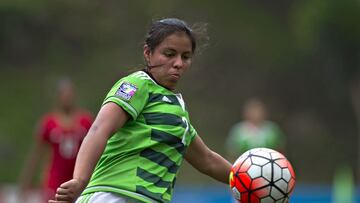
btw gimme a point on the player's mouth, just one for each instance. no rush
(175, 76)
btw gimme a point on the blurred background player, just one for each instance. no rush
(343, 188)
(59, 134)
(254, 131)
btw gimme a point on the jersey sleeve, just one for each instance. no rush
(43, 128)
(232, 142)
(129, 93)
(279, 136)
(193, 133)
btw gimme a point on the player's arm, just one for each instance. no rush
(33, 160)
(207, 161)
(110, 118)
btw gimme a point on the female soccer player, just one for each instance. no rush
(62, 131)
(142, 131)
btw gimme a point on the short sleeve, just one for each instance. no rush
(193, 133)
(279, 135)
(232, 142)
(131, 94)
(43, 128)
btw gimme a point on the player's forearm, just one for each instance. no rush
(89, 154)
(28, 171)
(109, 119)
(219, 168)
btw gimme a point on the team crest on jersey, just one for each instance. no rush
(126, 90)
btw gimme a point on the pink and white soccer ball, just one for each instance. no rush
(262, 175)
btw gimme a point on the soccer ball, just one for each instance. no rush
(262, 175)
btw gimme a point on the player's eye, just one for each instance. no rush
(186, 56)
(169, 53)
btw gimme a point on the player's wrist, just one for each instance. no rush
(81, 182)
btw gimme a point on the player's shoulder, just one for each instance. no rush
(270, 124)
(49, 117)
(141, 75)
(135, 81)
(138, 77)
(83, 113)
(239, 125)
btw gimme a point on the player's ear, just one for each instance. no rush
(147, 53)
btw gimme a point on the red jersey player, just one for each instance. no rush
(61, 131)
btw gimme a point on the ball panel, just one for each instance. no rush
(284, 200)
(264, 154)
(245, 179)
(291, 169)
(254, 171)
(240, 186)
(291, 185)
(263, 192)
(267, 200)
(286, 174)
(259, 160)
(283, 163)
(245, 165)
(268, 150)
(267, 171)
(277, 173)
(277, 155)
(258, 183)
(235, 193)
(240, 160)
(244, 197)
(276, 194)
(282, 185)
(254, 199)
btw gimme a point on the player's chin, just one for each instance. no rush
(171, 84)
(174, 77)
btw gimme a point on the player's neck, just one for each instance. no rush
(257, 124)
(67, 112)
(66, 117)
(146, 70)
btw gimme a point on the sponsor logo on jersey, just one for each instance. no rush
(166, 99)
(126, 90)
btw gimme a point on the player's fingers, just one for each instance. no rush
(62, 191)
(55, 201)
(66, 185)
(69, 184)
(66, 198)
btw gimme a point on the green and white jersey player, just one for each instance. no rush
(142, 132)
(154, 139)
(254, 131)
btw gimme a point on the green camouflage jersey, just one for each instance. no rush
(141, 159)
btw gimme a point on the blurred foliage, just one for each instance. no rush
(298, 56)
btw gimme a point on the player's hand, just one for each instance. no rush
(68, 192)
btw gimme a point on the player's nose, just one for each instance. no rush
(178, 62)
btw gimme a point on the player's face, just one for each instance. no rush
(66, 97)
(255, 114)
(172, 57)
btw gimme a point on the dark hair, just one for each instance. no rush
(160, 29)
